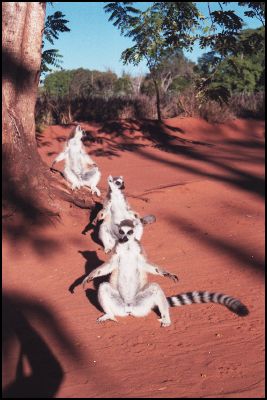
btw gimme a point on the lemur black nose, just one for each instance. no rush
(124, 239)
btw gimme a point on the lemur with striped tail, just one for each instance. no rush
(129, 293)
(116, 209)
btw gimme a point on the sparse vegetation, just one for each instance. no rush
(227, 82)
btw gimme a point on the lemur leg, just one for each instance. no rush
(152, 295)
(111, 302)
(72, 178)
(106, 238)
(92, 183)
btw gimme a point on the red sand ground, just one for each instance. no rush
(205, 187)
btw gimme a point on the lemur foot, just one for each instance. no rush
(106, 317)
(73, 187)
(164, 322)
(107, 250)
(96, 191)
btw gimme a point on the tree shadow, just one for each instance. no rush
(225, 156)
(174, 128)
(234, 176)
(126, 135)
(241, 255)
(162, 136)
(12, 69)
(25, 183)
(46, 373)
(24, 215)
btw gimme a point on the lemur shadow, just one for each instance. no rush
(95, 228)
(92, 262)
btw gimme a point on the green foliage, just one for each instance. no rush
(54, 24)
(179, 21)
(57, 84)
(81, 83)
(209, 90)
(240, 74)
(257, 10)
(123, 86)
(166, 27)
(235, 64)
(50, 57)
(153, 30)
(85, 94)
(148, 87)
(207, 63)
(173, 24)
(179, 84)
(224, 33)
(242, 71)
(174, 73)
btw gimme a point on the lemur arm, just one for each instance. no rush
(155, 270)
(89, 160)
(103, 270)
(61, 156)
(102, 213)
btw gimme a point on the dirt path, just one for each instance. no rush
(204, 183)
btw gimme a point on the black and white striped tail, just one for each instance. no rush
(230, 302)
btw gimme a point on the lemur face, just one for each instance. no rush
(126, 231)
(79, 133)
(116, 182)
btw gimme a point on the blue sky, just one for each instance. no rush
(94, 43)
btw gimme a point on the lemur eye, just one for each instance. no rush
(130, 232)
(121, 231)
(118, 183)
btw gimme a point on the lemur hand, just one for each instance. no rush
(88, 278)
(171, 276)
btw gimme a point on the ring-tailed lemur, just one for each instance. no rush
(80, 170)
(116, 209)
(128, 292)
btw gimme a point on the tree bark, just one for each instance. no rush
(157, 99)
(22, 29)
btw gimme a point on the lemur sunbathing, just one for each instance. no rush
(80, 170)
(116, 209)
(128, 292)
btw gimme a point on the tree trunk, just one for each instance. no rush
(157, 99)
(23, 170)
(70, 118)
